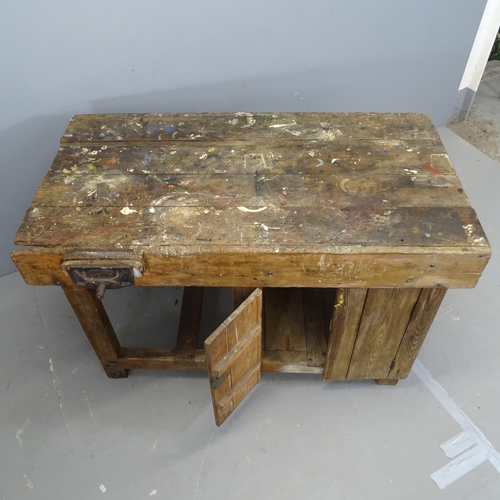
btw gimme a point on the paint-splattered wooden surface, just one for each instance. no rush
(301, 183)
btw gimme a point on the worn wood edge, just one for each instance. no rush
(165, 251)
(256, 294)
(40, 266)
(424, 131)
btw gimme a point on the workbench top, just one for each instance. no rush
(351, 199)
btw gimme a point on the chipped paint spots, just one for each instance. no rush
(410, 171)
(471, 236)
(343, 184)
(245, 209)
(335, 159)
(330, 135)
(204, 156)
(102, 488)
(152, 210)
(127, 211)
(250, 119)
(320, 162)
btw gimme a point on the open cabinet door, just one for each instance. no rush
(233, 354)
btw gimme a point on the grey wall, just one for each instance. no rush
(58, 58)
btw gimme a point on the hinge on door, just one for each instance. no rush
(218, 381)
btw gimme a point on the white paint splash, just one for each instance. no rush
(282, 125)
(153, 493)
(20, 432)
(127, 211)
(252, 210)
(202, 464)
(475, 240)
(28, 483)
(250, 119)
(102, 488)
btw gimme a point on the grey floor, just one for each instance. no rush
(66, 431)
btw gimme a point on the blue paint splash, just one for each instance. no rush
(168, 128)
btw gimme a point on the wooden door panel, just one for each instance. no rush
(234, 356)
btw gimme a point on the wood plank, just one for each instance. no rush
(288, 362)
(451, 268)
(368, 156)
(250, 190)
(246, 126)
(233, 357)
(421, 320)
(189, 322)
(272, 228)
(237, 350)
(239, 390)
(164, 359)
(314, 324)
(347, 313)
(284, 320)
(383, 322)
(159, 359)
(95, 323)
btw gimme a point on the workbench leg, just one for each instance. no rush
(387, 381)
(96, 325)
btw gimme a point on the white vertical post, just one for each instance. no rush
(481, 49)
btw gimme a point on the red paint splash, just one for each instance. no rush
(430, 168)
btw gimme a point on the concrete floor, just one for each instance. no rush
(482, 127)
(66, 431)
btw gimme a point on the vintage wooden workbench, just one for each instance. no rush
(339, 234)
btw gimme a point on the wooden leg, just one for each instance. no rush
(96, 325)
(387, 381)
(189, 322)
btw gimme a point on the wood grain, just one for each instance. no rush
(96, 325)
(421, 320)
(441, 267)
(284, 320)
(383, 323)
(245, 126)
(189, 322)
(347, 313)
(314, 326)
(233, 355)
